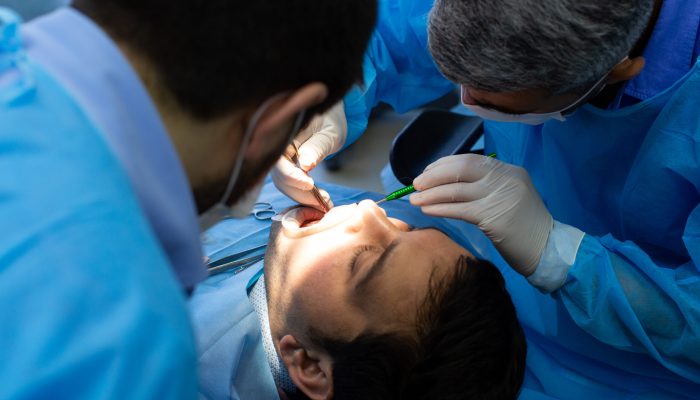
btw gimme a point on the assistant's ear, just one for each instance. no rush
(311, 371)
(277, 119)
(626, 70)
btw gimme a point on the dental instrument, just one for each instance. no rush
(235, 263)
(398, 194)
(235, 266)
(317, 194)
(263, 211)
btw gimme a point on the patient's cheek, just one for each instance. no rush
(321, 293)
(400, 224)
(315, 262)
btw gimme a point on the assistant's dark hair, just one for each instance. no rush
(217, 55)
(469, 345)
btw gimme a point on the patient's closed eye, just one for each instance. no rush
(361, 255)
(377, 265)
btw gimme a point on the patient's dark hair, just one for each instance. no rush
(469, 345)
(217, 55)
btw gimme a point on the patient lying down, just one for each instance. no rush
(363, 307)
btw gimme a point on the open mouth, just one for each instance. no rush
(302, 221)
(307, 216)
(310, 223)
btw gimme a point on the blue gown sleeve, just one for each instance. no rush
(620, 295)
(398, 68)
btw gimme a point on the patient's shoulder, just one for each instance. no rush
(230, 346)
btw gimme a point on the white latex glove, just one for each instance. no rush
(497, 197)
(325, 135)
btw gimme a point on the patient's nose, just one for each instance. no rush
(380, 216)
(374, 218)
(371, 208)
(371, 225)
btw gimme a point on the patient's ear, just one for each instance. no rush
(310, 370)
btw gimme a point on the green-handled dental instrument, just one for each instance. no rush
(398, 194)
(408, 190)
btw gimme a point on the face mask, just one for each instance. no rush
(243, 207)
(538, 118)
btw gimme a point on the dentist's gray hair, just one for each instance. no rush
(510, 45)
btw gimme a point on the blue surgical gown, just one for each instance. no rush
(626, 322)
(89, 305)
(396, 69)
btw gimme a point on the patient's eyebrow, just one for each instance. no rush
(378, 266)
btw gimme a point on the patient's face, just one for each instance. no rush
(354, 271)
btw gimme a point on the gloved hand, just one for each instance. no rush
(497, 197)
(325, 135)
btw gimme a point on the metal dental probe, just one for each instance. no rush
(317, 194)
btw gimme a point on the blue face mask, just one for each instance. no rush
(243, 207)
